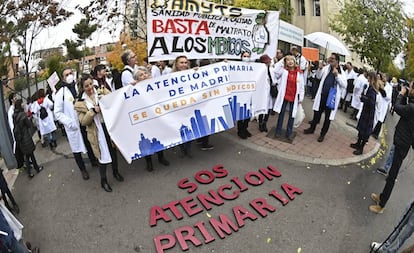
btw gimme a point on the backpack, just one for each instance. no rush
(43, 113)
(117, 80)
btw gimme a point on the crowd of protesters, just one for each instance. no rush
(74, 109)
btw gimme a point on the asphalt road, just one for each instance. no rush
(63, 213)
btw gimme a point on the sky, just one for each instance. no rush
(54, 37)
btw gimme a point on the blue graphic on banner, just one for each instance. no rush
(148, 147)
(239, 112)
(200, 127)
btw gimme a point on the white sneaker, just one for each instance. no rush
(376, 247)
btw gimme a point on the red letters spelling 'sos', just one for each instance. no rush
(180, 26)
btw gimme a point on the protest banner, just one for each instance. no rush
(53, 80)
(163, 112)
(178, 29)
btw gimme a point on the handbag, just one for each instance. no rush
(330, 102)
(300, 116)
(273, 91)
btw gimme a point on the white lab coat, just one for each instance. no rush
(359, 85)
(382, 104)
(66, 114)
(281, 72)
(46, 125)
(340, 84)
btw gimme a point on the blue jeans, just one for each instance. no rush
(289, 128)
(388, 162)
(402, 232)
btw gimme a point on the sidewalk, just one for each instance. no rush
(334, 150)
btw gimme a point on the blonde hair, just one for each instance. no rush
(291, 57)
(174, 68)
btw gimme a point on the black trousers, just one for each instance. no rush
(5, 192)
(91, 156)
(30, 159)
(318, 114)
(399, 155)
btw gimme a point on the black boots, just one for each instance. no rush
(262, 122)
(358, 146)
(117, 176)
(161, 159)
(85, 174)
(105, 185)
(360, 149)
(148, 161)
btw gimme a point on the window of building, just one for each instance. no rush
(301, 7)
(316, 8)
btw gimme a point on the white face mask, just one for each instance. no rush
(246, 59)
(70, 79)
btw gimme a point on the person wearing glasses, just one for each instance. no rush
(129, 59)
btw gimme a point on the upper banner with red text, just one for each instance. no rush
(210, 34)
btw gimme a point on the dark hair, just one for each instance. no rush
(41, 93)
(18, 105)
(336, 56)
(11, 96)
(82, 80)
(98, 68)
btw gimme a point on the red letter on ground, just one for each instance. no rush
(260, 205)
(157, 213)
(189, 236)
(161, 247)
(290, 190)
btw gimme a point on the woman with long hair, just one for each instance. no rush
(366, 119)
(89, 112)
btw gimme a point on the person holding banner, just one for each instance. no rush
(291, 93)
(181, 63)
(141, 74)
(243, 124)
(263, 118)
(89, 113)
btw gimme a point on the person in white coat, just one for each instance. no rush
(291, 93)
(383, 103)
(17, 153)
(332, 77)
(346, 95)
(360, 84)
(46, 125)
(66, 114)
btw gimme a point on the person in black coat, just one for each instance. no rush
(23, 137)
(366, 120)
(403, 140)
(7, 195)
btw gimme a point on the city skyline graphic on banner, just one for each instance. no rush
(199, 126)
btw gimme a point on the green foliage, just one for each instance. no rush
(29, 19)
(54, 63)
(72, 49)
(84, 29)
(373, 28)
(408, 71)
(283, 6)
(20, 83)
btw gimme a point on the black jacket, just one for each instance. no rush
(22, 132)
(404, 131)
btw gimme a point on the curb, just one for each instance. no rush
(304, 159)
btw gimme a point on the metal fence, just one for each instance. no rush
(28, 89)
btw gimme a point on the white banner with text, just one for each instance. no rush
(169, 110)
